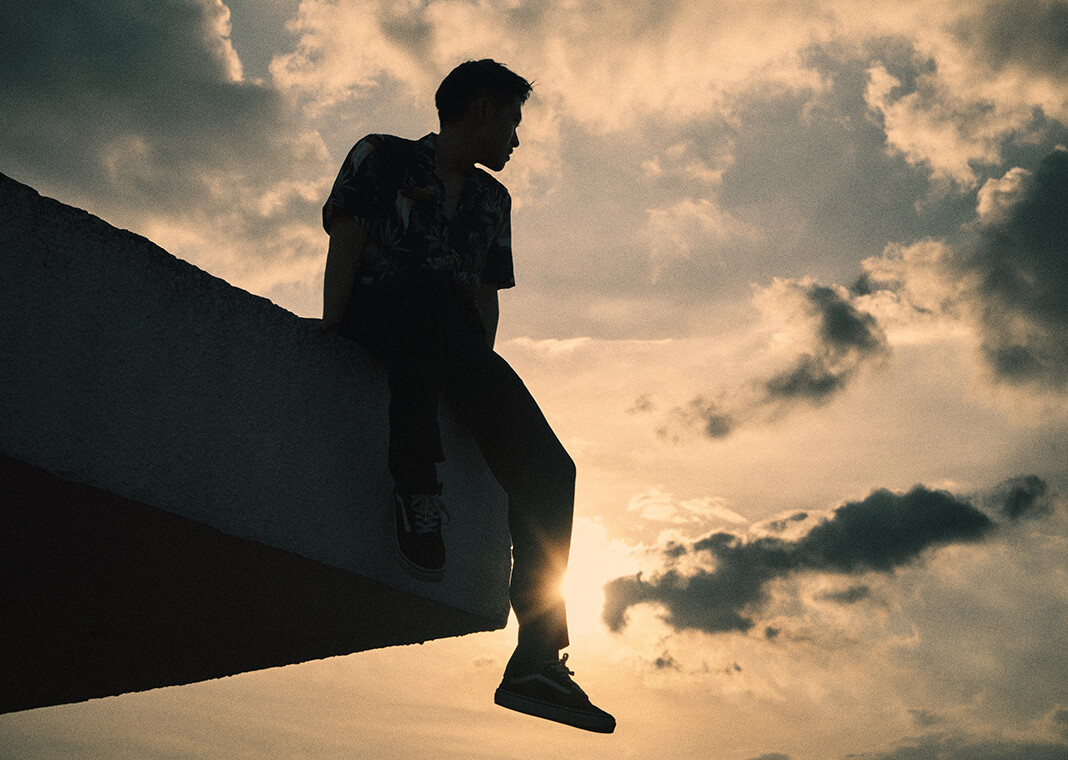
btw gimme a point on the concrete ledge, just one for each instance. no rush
(136, 374)
(104, 595)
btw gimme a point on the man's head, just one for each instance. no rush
(476, 79)
(481, 103)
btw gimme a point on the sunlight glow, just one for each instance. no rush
(595, 560)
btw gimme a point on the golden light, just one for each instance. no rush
(595, 560)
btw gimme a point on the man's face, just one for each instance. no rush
(499, 135)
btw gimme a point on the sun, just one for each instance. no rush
(595, 560)
(584, 592)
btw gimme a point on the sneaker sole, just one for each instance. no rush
(576, 718)
(421, 573)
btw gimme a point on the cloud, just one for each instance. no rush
(705, 416)
(135, 97)
(851, 595)
(994, 72)
(607, 62)
(1018, 258)
(1006, 277)
(790, 180)
(935, 126)
(657, 505)
(1030, 35)
(949, 747)
(673, 232)
(140, 112)
(781, 525)
(926, 718)
(883, 532)
(845, 339)
(1026, 496)
(1059, 718)
(826, 339)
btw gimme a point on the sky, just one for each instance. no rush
(791, 288)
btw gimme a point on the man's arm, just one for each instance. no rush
(347, 239)
(489, 306)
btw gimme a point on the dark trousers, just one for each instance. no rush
(433, 344)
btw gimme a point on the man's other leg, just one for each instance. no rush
(399, 322)
(536, 472)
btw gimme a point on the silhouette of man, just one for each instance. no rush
(419, 246)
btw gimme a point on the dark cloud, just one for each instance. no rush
(810, 378)
(843, 340)
(706, 416)
(888, 530)
(880, 533)
(1060, 720)
(126, 97)
(841, 326)
(665, 662)
(962, 748)
(136, 111)
(1006, 273)
(778, 526)
(1033, 35)
(925, 718)
(846, 339)
(1018, 259)
(1023, 496)
(851, 595)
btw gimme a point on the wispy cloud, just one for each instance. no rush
(827, 340)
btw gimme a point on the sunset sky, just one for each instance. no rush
(791, 287)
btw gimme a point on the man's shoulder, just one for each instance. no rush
(385, 143)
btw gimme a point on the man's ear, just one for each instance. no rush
(483, 109)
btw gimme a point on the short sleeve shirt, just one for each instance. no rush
(390, 186)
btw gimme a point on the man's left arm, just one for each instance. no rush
(489, 307)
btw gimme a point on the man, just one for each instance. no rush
(419, 246)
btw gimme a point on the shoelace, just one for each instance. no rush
(559, 667)
(427, 512)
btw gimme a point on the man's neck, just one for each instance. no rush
(452, 155)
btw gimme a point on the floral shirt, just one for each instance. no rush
(390, 186)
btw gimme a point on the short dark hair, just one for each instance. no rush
(473, 79)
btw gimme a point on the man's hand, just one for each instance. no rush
(489, 307)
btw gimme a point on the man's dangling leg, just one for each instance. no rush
(536, 472)
(530, 463)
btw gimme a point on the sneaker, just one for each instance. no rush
(547, 691)
(418, 528)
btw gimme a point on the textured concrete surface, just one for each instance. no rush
(135, 373)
